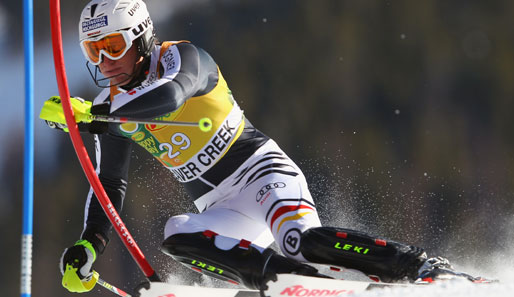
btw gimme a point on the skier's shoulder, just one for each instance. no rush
(171, 50)
(165, 45)
(185, 52)
(183, 47)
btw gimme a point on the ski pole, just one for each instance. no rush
(205, 124)
(112, 288)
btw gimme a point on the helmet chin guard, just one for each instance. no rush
(104, 82)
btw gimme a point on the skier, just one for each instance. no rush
(249, 193)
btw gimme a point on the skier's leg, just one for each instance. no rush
(273, 190)
(192, 240)
(229, 223)
(282, 199)
(296, 228)
(289, 213)
(301, 237)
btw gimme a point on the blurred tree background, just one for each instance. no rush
(397, 111)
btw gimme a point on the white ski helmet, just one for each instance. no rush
(102, 17)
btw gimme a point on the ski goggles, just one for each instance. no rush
(114, 46)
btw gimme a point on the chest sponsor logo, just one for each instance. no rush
(154, 127)
(138, 136)
(150, 144)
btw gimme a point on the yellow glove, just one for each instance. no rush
(52, 112)
(76, 267)
(72, 282)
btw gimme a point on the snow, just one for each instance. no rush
(458, 288)
(499, 267)
(446, 289)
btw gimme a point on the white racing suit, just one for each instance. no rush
(249, 193)
(266, 199)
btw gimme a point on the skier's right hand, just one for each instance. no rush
(55, 125)
(76, 267)
(53, 114)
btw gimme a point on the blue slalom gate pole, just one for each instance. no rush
(28, 157)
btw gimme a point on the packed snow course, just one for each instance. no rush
(445, 289)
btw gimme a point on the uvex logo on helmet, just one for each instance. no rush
(133, 9)
(142, 27)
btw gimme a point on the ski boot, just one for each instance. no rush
(242, 264)
(439, 268)
(380, 259)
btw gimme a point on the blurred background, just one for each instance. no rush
(399, 112)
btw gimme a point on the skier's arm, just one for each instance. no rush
(113, 156)
(196, 75)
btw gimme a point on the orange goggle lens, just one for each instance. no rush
(112, 45)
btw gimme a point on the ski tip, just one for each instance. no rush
(481, 280)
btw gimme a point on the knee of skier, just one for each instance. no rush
(289, 235)
(290, 243)
(184, 223)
